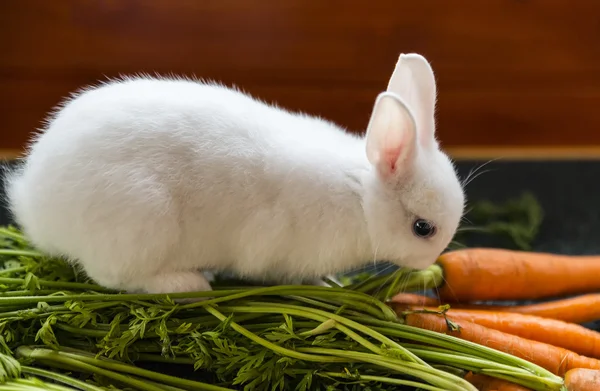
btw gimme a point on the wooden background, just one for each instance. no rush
(511, 73)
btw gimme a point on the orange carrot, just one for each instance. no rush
(495, 274)
(581, 379)
(553, 358)
(574, 337)
(412, 299)
(578, 309)
(488, 383)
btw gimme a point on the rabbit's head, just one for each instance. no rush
(413, 197)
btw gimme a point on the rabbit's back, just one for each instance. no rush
(136, 172)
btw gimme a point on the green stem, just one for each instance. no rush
(88, 332)
(305, 311)
(304, 314)
(374, 282)
(439, 350)
(60, 378)
(111, 366)
(33, 384)
(221, 296)
(269, 345)
(298, 324)
(124, 297)
(365, 308)
(51, 310)
(100, 330)
(332, 283)
(50, 357)
(524, 380)
(22, 253)
(448, 341)
(13, 235)
(453, 370)
(430, 278)
(518, 375)
(323, 327)
(392, 289)
(388, 380)
(163, 359)
(57, 284)
(165, 387)
(426, 373)
(27, 292)
(20, 269)
(302, 290)
(315, 303)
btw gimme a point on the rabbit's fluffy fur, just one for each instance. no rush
(144, 182)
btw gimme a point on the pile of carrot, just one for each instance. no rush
(548, 334)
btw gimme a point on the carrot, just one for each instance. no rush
(581, 379)
(488, 383)
(578, 309)
(412, 299)
(553, 358)
(574, 337)
(496, 274)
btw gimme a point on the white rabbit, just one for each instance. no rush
(145, 182)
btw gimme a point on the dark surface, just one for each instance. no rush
(569, 193)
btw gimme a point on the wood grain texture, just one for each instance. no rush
(510, 73)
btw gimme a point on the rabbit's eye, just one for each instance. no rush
(423, 228)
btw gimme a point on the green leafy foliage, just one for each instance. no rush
(515, 223)
(306, 338)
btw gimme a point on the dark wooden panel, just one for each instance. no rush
(510, 72)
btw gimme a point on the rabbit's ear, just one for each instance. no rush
(390, 138)
(414, 82)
